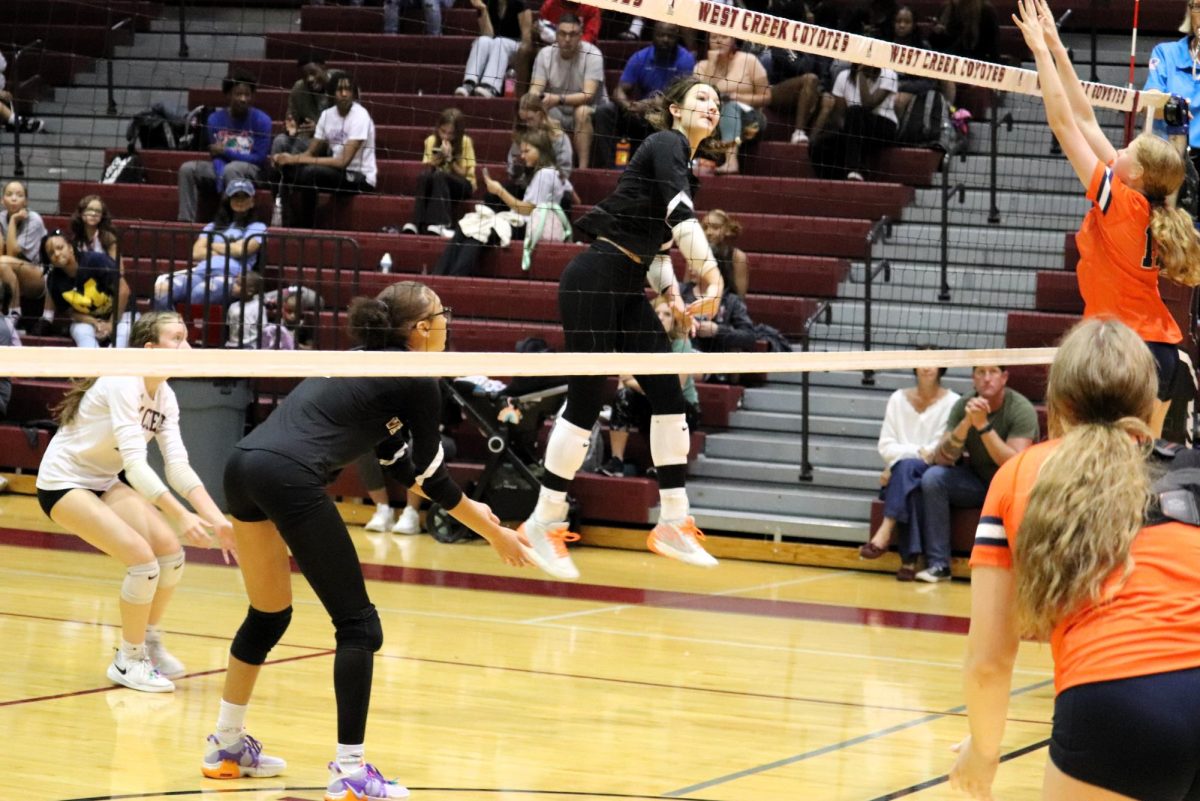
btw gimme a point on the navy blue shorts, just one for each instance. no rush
(1166, 358)
(1139, 737)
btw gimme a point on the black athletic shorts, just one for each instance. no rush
(48, 498)
(1166, 357)
(1139, 737)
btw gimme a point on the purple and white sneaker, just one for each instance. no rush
(364, 784)
(242, 759)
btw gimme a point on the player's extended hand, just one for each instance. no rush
(973, 773)
(222, 531)
(508, 545)
(1049, 27)
(193, 529)
(1027, 21)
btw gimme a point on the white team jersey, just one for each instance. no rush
(115, 421)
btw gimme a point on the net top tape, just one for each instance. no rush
(52, 362)
(766, 29)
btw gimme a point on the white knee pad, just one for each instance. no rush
(141, 582)
(170, 569)
(567, 448)
(670, 439)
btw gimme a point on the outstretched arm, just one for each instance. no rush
(1085, 115)
(1058, 108)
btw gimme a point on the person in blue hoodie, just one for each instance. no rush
(238, 139)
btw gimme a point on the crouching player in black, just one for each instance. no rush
(275, 483)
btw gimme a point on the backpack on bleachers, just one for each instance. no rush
(924, 119)
(155, 128)
(125, 169)
(193, 128)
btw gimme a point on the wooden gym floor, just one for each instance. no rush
(645, 680)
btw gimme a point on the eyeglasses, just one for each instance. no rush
(91, 211)
(446, 312)
(1193, 6)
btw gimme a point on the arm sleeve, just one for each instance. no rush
(541, 67)
(1100, 187)
(993, 547)
(123, 395)
(423, 464)
(675, 190)
(593, 70)
(542, 189)
(180, 475)
(1159, 70)
(957, 412)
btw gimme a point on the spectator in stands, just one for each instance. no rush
(347, 132)
(433, 10)
(631, 409)
(8, 113)
(742, 82)
(569, 77)
(299, 313)
(649, 70)
(448, 177)
(532, 116)
(218, 259)
(239, 142)
(246, 318)
(22, 230)
(904, 32)
(967, 28)
(552, 11)
(92, 228)
(505, 27)
(722, 230)
(308, 98)
(990, 425)
(1171, 71)
(90, 289)
(797, 79)
(538, 212)
(864, 100)
(913, 425)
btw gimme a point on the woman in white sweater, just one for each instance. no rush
(95, 482)
(912, 426)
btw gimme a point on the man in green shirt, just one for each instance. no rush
(309, 96)
(990, 425)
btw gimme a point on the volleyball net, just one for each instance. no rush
(959, 236)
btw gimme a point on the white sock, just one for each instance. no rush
(673, 505)
(48, 315)
(153, 633)
(231, 722)
(350, 757)
(383, 507)
(551, 506)
(133, 653)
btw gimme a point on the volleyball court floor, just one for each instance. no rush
(646, 679)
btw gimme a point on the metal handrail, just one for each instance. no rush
(823, 309)
(108, 56)
(881, 228)
(994, 125)
(18, 165)
(947, 192)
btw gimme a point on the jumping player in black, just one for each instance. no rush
(275, 484)
(603, 305)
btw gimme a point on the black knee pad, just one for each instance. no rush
(259, 633)
(363, 632)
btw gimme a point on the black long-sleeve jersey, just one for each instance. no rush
(653, 195)
(327, 423)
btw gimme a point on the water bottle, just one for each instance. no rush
(510, 82)
(622, 155)
(385, 264)
(277, 213)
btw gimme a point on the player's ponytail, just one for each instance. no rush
(1091, 494)
(66, 409)
(1176, 244)
(386, 320)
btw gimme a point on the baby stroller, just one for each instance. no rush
(511, 476)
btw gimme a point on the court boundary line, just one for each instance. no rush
(945, 777)
(317, 788)
(539, 587)
(828, 749)
(320, 651)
